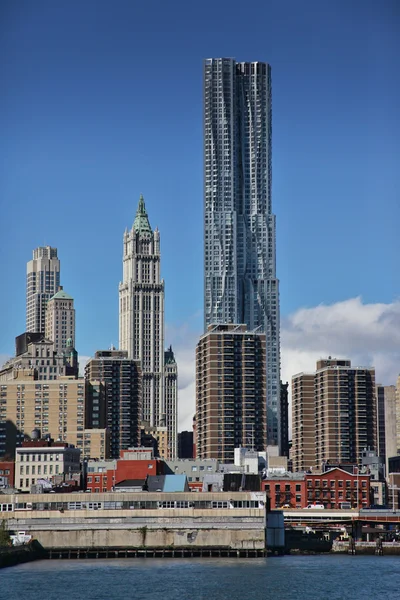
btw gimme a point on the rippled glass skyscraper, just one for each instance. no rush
(239, 228)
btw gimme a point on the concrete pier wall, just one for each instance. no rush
(234, 521)
(144, 537)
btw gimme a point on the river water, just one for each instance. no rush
(322, 577)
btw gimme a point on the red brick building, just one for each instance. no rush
(336, 486)
(130, 466)
(7, 470)
(334, 489)
(285, 492)
(196, 486)
(99, 482)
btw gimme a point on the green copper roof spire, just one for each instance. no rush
(141, 223)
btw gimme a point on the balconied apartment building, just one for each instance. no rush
(119, 407)
(230, 391)
(345, 412)
(336, 422)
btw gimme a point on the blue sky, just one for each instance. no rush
(102, 101)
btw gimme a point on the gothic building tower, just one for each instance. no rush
(141, 323)
(170, 400)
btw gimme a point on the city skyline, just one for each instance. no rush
(335, 142)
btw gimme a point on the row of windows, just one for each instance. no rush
(333, 483)
(130, 504)
(24, 470)
(48, 456)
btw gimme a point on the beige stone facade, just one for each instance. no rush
(160, 437)
(41, 359)
(93, 443)
(43, 462)
(56, 408)
(141, 312)
(60, 320)
(141, 325)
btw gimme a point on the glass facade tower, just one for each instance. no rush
(240, 284)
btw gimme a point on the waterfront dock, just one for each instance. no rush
(183, 524)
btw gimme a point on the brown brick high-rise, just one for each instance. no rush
(337, 420)
(230, 391)
(120, 407)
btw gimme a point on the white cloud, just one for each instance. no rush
(368, 334)
(184, 339)
(82, 364)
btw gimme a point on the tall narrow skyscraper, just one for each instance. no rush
(141, 324)
(42, 282)
(240, 283)
(170, 401)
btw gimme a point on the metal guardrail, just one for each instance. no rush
(370, 512)
(344, 514)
